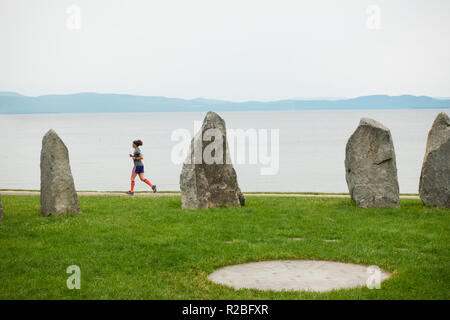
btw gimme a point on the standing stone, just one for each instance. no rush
(58, 194)
(434, 185)
(208, 178)
(1, 209)
(370, 167)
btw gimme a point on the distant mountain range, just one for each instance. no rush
(15, 103)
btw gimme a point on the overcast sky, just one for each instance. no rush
(226, 49)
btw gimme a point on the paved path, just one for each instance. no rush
(168, 194)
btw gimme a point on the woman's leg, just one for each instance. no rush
(133, 176)
(143, 179)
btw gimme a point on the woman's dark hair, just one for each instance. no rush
(138, 143)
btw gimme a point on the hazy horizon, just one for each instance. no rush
(214, 98)
(199, 97)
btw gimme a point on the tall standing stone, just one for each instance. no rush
(208, 178)
(370, 167)
(1, 209)
(434, 185)
(58, 194)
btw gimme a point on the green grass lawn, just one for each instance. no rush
(148, 248)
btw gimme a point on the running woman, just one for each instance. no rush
(138, 168)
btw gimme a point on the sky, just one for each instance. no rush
(235, 50)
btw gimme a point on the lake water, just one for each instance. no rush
(311, 147)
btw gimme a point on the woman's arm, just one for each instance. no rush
(137, 158)
(141, 157)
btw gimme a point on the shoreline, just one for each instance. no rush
(177, 193)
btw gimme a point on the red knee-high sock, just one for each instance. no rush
(148, 182)
(132, 186)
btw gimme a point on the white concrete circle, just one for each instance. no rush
(300, 275)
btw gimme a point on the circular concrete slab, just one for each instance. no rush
(302, 275)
